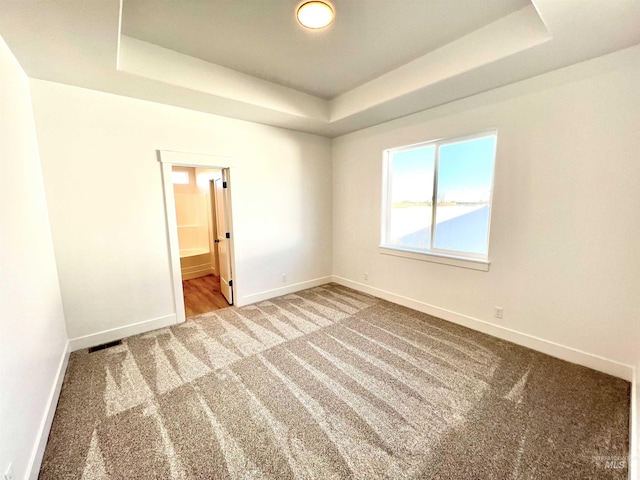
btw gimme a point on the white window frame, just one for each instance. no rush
(449, 257)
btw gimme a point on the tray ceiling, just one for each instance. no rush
(380, 60)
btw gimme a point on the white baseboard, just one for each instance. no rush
(277, 292)
(189, 273)
(106, 336)
(562, 352)
(38, 451)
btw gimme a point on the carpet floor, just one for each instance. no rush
(329, 383)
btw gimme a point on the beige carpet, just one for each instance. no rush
(329, 383)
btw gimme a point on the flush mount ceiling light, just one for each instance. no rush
(315, 14)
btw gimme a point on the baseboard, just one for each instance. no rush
(105, 336)
(38, 451)
(189, 275)
(277, 292)
(562, 352)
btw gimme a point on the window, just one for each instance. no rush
(438, 197)
(180, 177)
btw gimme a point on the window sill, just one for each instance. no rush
(472, 263)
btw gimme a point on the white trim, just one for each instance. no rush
(174, 246)
(277, 292)
(169, 158)
(387, 179)
(33, 469)
(553, 349)
(190, 159)
(472, 263)
(118, 333)
(120, 8)
(189, 273)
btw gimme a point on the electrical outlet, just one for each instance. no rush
(366, 276)
(284, 277)
(497, 312)
(8, 474)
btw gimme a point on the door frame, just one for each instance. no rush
(168, 159)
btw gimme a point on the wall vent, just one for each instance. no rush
(105, 345)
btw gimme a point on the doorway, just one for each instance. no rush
(201, 217)
(199, 224)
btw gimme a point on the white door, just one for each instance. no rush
(224, 235)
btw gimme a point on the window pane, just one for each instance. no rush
(411, 197)
(180, 177)
(465, 172)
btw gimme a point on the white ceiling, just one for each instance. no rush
(248, 59)
(262, 38)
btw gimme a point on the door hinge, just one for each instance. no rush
(231, 283)
(228, 235)
(217, 240)
(224, 184)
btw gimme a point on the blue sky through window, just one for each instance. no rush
(465, 171)
(413, 175)
(464, 165)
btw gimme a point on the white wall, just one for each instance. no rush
(33, 339)
(104, 190)
(192, 214)
(565, 262)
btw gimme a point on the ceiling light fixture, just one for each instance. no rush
(315, 15)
